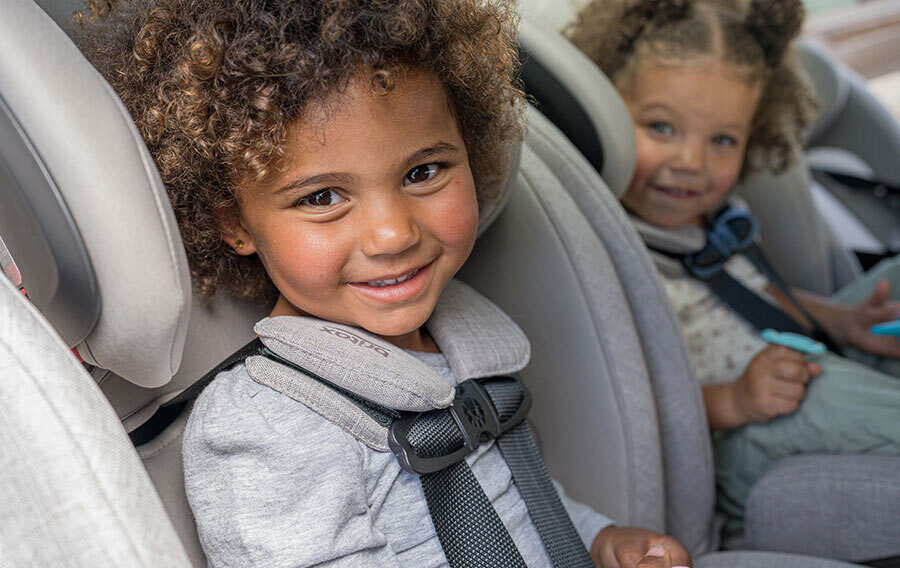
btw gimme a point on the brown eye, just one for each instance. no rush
(321, 198)
(422, 173)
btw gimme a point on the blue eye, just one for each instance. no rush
(724, 140)
(660, 127)
(321, 198)
(422, 173)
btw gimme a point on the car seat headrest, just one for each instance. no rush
(831, 86)
(577, 97)
(83, 212)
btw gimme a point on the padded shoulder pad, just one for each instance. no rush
(357, 361)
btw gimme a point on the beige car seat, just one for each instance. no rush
(573, 289)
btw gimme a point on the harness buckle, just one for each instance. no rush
(473, 413)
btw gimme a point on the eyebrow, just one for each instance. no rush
(667, 108)
(438, 148)
(332, 177)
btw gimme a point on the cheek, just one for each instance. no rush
(726, 176)
(303, 256)
(452, 217)
(649, 158)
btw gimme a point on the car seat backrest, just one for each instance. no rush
(831, 86)
(125, 306)
(580, 101)
(688, 497)
(73, 492)
(688, 506)
(852, 118)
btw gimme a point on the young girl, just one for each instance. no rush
(332, 156)
(714, 95)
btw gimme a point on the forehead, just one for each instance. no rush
(703, 88)
(416, 108)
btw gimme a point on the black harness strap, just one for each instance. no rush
(544, 505)
(732, 232)
(468, 528)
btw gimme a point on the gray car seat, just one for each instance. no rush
(870, 495)
(854, 135)
(541, 260)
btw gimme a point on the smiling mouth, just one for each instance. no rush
(675, 191)
(391, 281)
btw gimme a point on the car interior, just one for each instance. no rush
(99, 327)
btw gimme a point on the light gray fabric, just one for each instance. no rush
(356, 360)
(849, 507)
(73, 492)
(764, 560)
(121, 212)
(332, 406)
(795, 238)
(594, 93)
(684, 449)
(542, 264)
(831, 87)
(480, 341)
(302, 466)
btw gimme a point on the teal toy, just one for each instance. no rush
(795, 341)
(887, 328)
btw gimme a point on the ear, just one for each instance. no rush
(234, 233)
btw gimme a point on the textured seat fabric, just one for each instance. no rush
(684, 508)
(764, 560)
(141, 273)
(851, 506)
(73, 491)
(795, 238)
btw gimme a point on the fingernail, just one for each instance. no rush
(657, 551)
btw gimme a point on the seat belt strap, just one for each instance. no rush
(546, 509)
(467, 525)
(756, 256)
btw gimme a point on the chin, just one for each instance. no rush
(396, 325)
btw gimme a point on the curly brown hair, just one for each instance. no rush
(754, 37)
(213, 86)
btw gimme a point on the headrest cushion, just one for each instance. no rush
(88, 145)
(575, 78)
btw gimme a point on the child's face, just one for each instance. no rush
(371, 210)
(691, 123)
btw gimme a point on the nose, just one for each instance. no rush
(390, 227)
(690, 156)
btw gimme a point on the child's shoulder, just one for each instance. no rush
(236, 412)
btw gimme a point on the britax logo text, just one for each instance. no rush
(356, 340)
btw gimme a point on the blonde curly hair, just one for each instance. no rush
(213, 86)
(754, 36)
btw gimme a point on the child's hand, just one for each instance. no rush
(628, 547)
(656, 557)
(772, 384)
(876, 309)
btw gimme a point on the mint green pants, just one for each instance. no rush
(853, 407)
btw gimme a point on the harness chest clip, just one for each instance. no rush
(474, 414)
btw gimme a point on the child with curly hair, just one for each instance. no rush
(715, 95)
(333, 157)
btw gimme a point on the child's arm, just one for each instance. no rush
(851, 325)
(773, 384)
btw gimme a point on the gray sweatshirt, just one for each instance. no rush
(271, 483)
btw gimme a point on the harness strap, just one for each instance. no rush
(733, 231)
(457, 506)
(530, 475)
(468, 528)
(467, 525)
